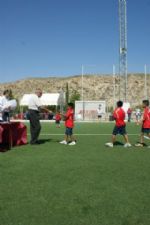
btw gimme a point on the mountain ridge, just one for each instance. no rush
(95, 87)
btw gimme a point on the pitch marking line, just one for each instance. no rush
(48, 134)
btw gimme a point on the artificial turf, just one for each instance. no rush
(85, 184)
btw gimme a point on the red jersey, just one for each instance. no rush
(119, 116)
(146, 118)
(129, 111)
(57, 117)
(69, 122)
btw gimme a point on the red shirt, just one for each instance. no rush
(119, 116)
(57, 117)
(146, 118)
(69, 118)
(129, 111)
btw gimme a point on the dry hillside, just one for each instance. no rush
(96, 87)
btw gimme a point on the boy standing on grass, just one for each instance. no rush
(69, 124)
(58, 119)
(138, 116)
(120, 126)
(145, 123)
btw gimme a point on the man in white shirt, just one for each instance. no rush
(34, 106)
(99, 112)
(1, 108)
(5, 109)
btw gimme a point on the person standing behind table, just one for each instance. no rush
(1, 107)
(7, 95)
(34, 107)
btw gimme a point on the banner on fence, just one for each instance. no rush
(89, 110)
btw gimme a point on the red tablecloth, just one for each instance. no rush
(12, 134)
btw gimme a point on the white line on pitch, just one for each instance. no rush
(82, 134)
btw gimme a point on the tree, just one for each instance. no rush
(67, 93)
(75, 96)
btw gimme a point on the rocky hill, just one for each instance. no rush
(95, 87)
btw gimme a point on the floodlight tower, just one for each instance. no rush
(122, 50)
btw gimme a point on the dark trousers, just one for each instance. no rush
(35, 126)
(5, 116)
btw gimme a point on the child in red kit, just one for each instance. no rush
(58, 119)
(120, 126)
(69, 124)
(145, 123)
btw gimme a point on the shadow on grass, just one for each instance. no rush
(118, 143)
(43, 141)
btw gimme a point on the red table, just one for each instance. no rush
(12, 134)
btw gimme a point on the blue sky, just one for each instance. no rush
(42, 38)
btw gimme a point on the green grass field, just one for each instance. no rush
(86, 184)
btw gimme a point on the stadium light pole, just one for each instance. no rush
(145, 82)
(82, 82)
(114, 85)
(123, 50)
(82, 94)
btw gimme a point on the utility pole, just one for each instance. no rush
(145, 82)
(82, 83)
(114, 86)
(122, 50)
(82, 93)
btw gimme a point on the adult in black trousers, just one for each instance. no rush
(35, 126)
(34, 106)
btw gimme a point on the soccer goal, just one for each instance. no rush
(90, 110)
